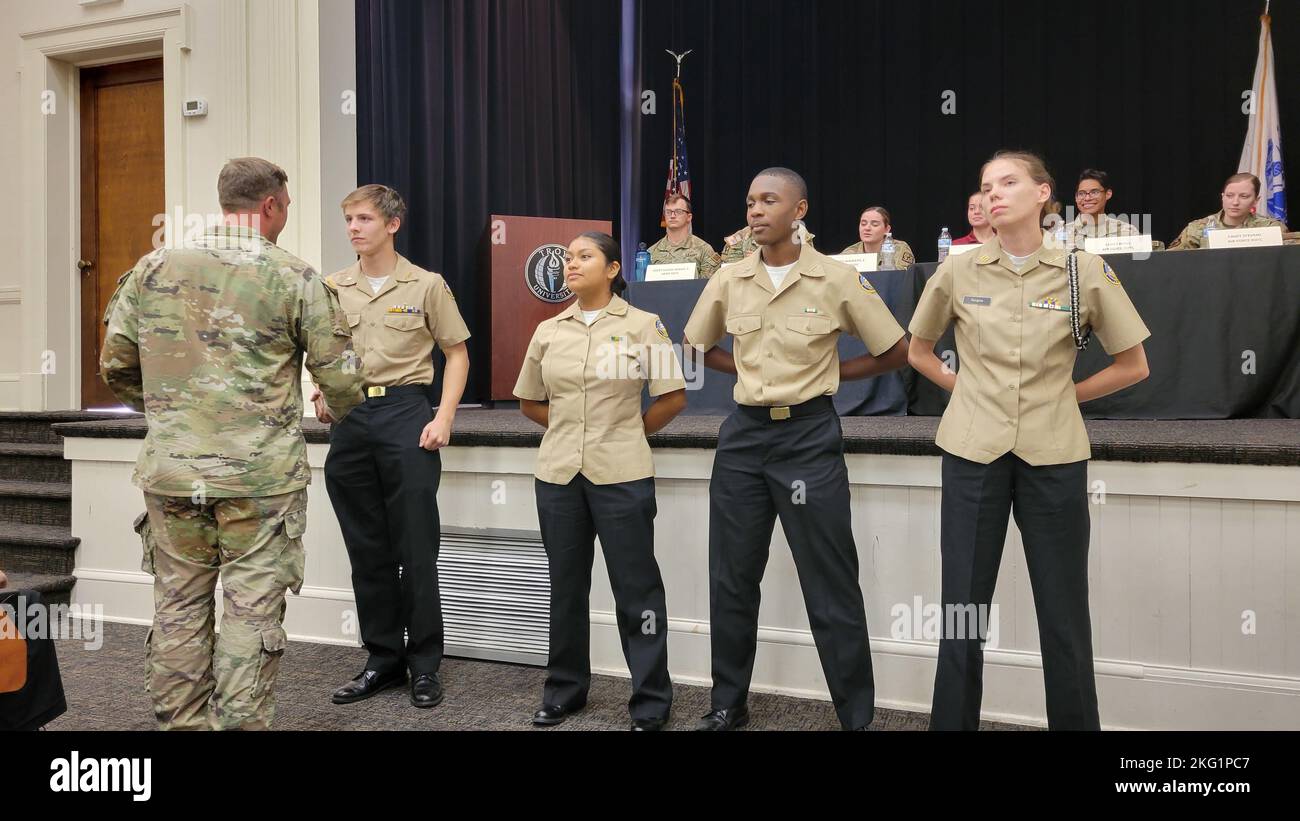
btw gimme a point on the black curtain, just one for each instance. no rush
(475, 107)
(848, 92)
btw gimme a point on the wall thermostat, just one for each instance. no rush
(195, 108)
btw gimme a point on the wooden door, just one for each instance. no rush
(122, 195)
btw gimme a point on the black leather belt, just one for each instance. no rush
(781, 413)
(380, 391)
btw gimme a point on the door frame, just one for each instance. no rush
(49, 367)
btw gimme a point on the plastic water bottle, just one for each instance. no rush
(1062, 236)
(945, 244)
(1210, 225)
(887, 252)
(642, 263)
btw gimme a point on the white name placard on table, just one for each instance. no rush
(964, 248)
(670, 271)
(1246, 237)
(865, 263)
(1135, 244)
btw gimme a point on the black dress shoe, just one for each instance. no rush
(369, 683)
(718, 720)
(648, 725)
(552, 714)
(426, 690)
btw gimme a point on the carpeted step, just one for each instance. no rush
(44, 549)
(54, 588)
(36, 503)
(34, 462)
(35, 426)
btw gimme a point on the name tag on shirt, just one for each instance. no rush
(1246, 237)
(977, 300)
(669, 271)
(865, 263)
(1140, 244)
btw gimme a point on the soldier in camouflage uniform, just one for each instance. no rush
(1240, 193)
(741, 244)
(873, 224)
(208, 341)
(680, 245)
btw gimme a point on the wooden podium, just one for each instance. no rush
(525, 281)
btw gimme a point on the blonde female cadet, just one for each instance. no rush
(1013, 436)
(581, 380)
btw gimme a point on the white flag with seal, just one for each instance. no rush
(1262, 154)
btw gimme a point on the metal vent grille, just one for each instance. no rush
(495, 594)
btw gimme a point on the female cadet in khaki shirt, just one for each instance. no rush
(581, 380)
(1013, 436)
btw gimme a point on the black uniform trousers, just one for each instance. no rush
(622, 514)
(384, 488)
(1051, 509)
(793, 469)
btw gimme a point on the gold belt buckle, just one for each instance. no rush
(779, 414)
(376, 390)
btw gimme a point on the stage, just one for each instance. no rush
(1194, 568)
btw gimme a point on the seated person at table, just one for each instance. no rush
(680, 245)
(872, 227)
(1240, 193)
(1091, 195)
(980, 229)
(741, 244)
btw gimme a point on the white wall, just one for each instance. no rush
(259, 64)
(1178, 554)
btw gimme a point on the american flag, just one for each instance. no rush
(679, 171)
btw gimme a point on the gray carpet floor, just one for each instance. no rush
(105, 691)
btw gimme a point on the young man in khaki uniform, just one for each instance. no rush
(782, 452)
(383, 467)
(742, 245)
(1013, 436)
(680, 245)
(1240, 193)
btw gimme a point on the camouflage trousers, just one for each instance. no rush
(198, 680)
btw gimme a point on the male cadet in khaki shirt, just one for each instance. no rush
(1240, 193)
(680, 245)
(209, 341)
(782, 452)
(383, 467)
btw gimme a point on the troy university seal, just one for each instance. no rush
(544, 273)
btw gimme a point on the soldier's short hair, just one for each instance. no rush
(245, 181)
(1244, 176)
(672, 198)
(386, 201)
(792, 177)
(1099, 177)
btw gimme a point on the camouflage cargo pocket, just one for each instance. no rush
(293, 561)
(274, 641)
(141, 527)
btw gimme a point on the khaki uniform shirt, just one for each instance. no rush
(394, 330)
(903, 256)
(1102, 226)
(784, 342)
(1015, 351)
(693, 249)
(1191, 237)
(592, 377)
(742, 244)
